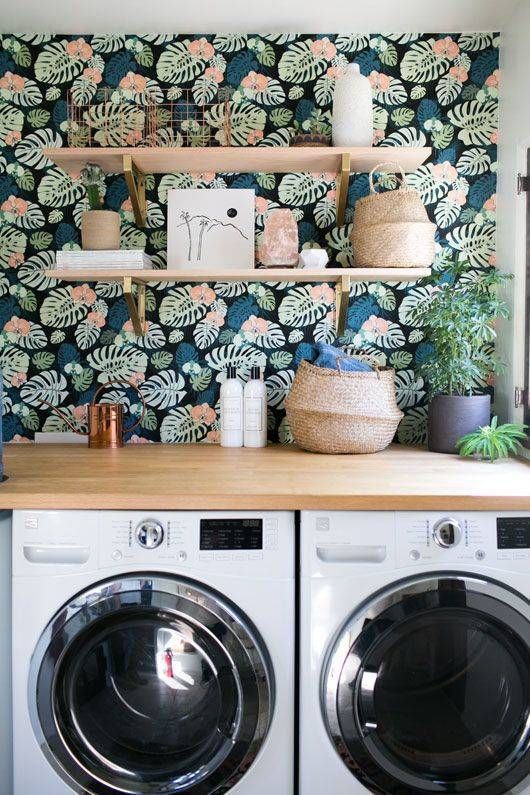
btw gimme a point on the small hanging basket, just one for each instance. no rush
(392, 229)
(331, 411)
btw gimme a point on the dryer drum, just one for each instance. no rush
(151, 684)
(433, 693)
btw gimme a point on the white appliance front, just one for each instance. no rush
(414, 653)
(153, 652)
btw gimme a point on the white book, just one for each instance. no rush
(134, 259)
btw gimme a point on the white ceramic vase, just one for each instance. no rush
(353, 116)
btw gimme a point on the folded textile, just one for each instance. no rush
(332, 358)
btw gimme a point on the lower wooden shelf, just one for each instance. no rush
(250, 275)
(342, 277)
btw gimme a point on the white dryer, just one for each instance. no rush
(415, 653)
(153, 653)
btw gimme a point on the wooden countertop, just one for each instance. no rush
(171, 477)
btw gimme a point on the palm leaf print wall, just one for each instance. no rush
(60, 342)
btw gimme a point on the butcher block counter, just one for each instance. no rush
(180, 477)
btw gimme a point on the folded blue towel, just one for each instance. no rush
(329, 357)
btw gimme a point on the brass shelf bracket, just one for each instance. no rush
(343, 180)
(136, 305)
(135, 179)
(342, 300)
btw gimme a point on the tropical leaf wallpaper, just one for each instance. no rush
(59, 342)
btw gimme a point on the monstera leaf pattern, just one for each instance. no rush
(60, 342)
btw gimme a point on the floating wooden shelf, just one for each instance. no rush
(135, 162)
(240, 159)
(341, 276)
(250, 275)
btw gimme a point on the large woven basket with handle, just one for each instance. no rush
(332, 411)
(392, 229)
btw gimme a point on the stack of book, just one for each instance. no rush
(130, 259)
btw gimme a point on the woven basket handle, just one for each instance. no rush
(363, 356)
(378, 167)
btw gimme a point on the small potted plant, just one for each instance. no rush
(459, 320)
(314, 131)
(100, 229)
(492, 442)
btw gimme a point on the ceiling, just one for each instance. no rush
(235, 16)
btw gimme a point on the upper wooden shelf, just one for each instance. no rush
(135, 162)
(243, 159)
(249, 275)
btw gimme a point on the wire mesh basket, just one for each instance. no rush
(144, 115)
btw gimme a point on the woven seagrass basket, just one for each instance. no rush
(392, 229)
(394, 245)
(330, 411)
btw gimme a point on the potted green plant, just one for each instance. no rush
(313, 131)
(459, 321)
(100, 229)
(493, 441)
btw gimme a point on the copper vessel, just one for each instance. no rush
(105, 420)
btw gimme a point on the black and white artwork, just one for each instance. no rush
(210, 229)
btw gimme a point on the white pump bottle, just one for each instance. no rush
(255, 410)
(231, 410)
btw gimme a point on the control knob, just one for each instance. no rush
(149, 534)
(447, 533)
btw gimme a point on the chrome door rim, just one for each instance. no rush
(339, 656)
(110, 595)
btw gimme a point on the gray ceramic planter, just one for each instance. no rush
(452, 416)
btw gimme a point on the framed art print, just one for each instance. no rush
(210, 229)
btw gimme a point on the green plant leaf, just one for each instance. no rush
(55, 65)
(179, 427)
(298, 64)
(43, 360)
(49, 385)
(421, 64)
(178, 65)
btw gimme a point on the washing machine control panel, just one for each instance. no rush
(189, 538)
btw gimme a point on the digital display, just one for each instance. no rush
(228, 534)
(513, 533)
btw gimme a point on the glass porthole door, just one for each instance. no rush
(428, 691)
(150, 684)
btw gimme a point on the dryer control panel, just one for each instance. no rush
(386, 540)
(501, 541)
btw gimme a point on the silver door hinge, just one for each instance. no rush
(523, 184)
(519, 397)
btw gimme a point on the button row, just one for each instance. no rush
(231, 555)
(517, 554)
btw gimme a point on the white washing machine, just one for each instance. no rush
(415, 653)
(153, 653)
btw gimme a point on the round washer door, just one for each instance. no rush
(150, 684)
(427, 688)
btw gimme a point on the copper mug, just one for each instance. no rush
(105, 420)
